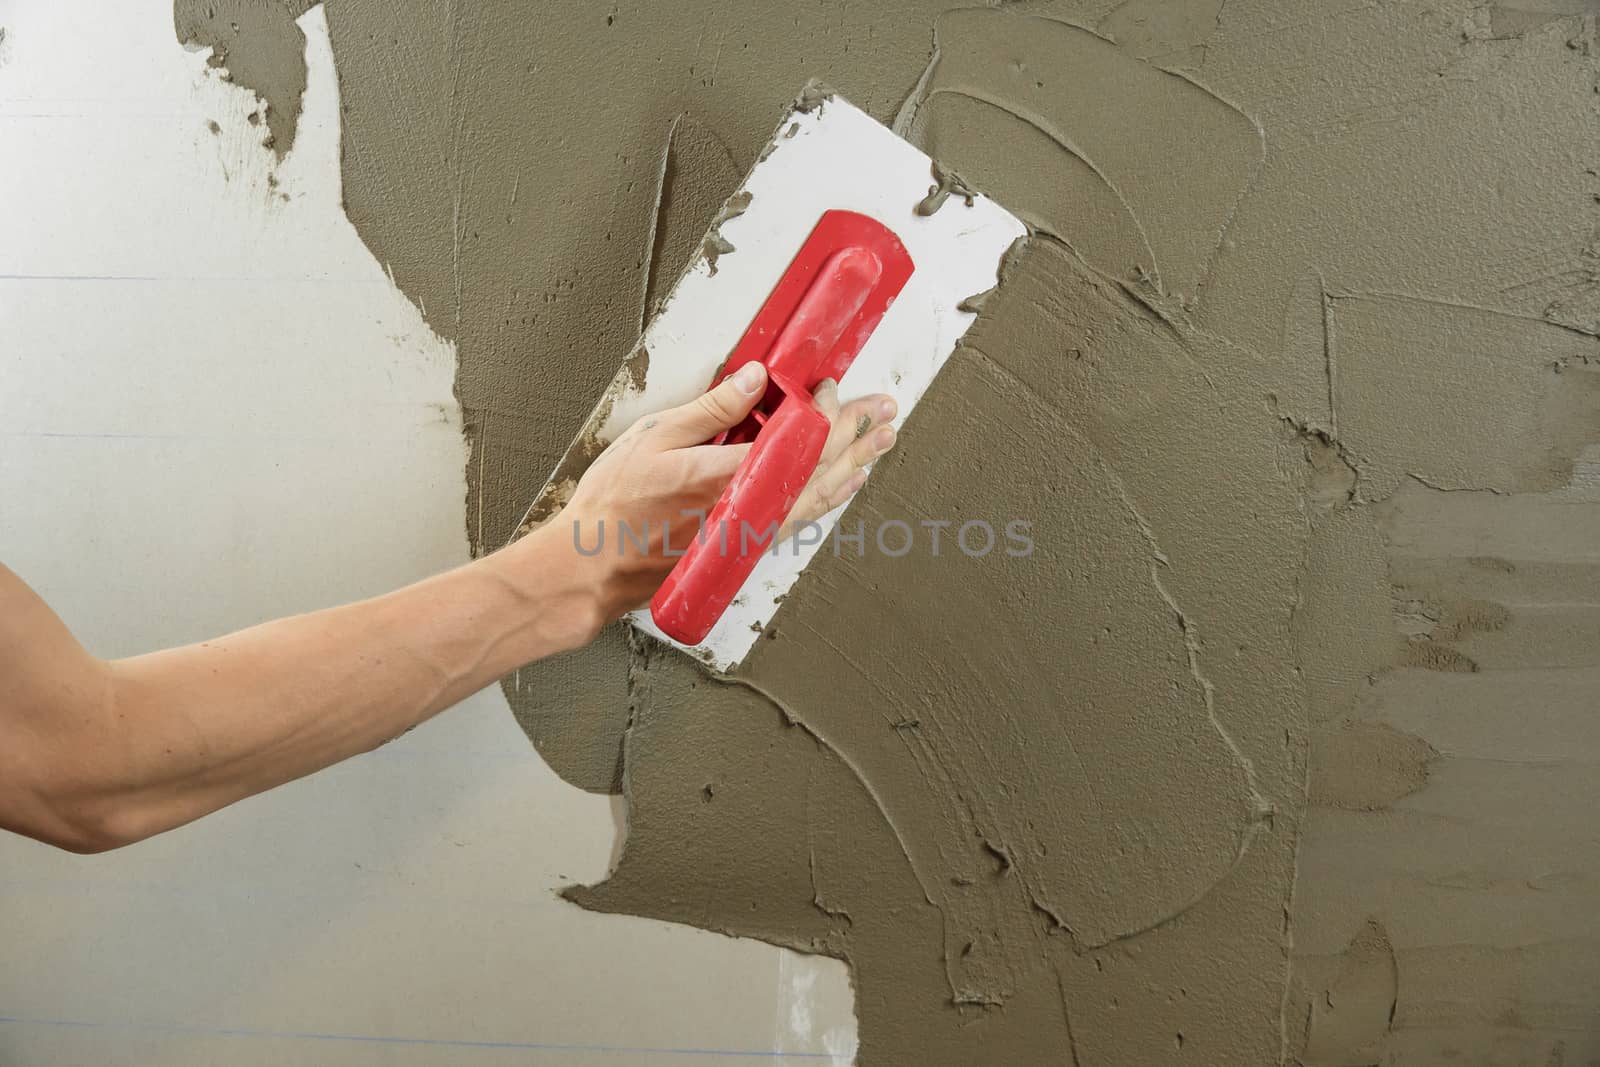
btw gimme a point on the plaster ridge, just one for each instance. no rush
(1439, 487)
(1329, 351)
(1061, 141)
(653, 235)
(843, 758)
(1263, 806)
(1463, 305)
(1092, 31)
(1066, 1017)
(906, 116)
(1256, 165)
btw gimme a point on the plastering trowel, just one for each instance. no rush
(846, 254)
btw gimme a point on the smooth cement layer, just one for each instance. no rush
(1280, 746)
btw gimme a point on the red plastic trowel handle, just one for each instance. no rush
(817, 318)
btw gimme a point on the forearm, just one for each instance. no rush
(96, 754)
(184, 732)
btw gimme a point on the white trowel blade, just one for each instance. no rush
(830, 155)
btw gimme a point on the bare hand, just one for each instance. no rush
(659, 480)
(861, 433)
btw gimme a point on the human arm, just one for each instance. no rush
(95, 754)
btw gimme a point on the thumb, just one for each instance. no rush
(712, 412)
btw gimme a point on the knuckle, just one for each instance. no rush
(856, 409)
(714, 406)
(828, 492)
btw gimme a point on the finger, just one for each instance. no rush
(710, 466)
(835, 482)
(821, 497)
(858, 453)
(825, 397)
(856, 420)
(707, 415)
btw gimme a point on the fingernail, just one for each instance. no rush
(749, 378)
(884, 440)
(886, 409)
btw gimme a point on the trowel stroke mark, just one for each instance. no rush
(1114, 240)
(1448, 619)
(1173, 157)
(995, 740)
(1391, 350)
(1475, 774)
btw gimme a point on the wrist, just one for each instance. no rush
(562, 592)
